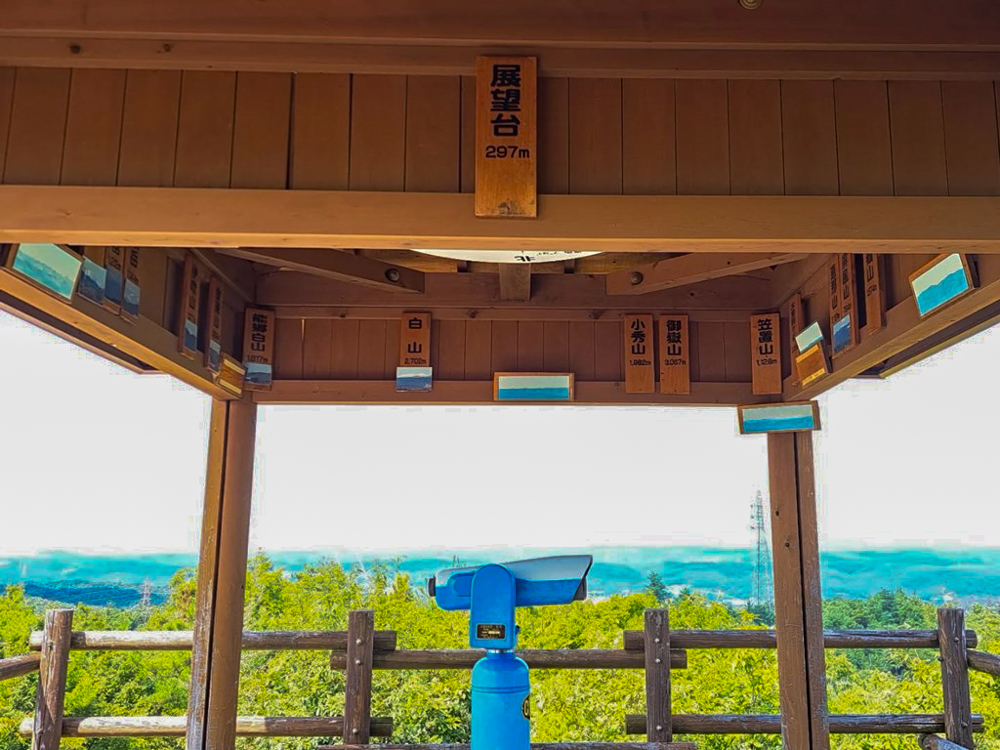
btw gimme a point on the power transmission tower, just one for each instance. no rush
(762, 578)
(147, 593)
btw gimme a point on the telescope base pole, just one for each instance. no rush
(501, 706)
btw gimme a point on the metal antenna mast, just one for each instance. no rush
(762, 570)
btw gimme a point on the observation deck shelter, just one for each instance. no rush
(717, 175)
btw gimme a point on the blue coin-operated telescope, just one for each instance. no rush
(491, 593)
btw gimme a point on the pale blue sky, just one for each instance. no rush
(116, 461)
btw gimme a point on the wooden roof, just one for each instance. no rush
(716, 157)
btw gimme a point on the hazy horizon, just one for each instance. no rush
(116, 461)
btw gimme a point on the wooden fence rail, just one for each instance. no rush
(983, 662)
(771, 723)
(18, 666)
(767, 639)
(176, 726)
(933, 742)
(361, 649)
(534, 746)
(182, 640)
(466, 658)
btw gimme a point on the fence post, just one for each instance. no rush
(657, 632)
(52, 680)
(358, 693)
(955, 676)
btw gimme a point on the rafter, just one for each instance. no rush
(338, 265)
(691, 269)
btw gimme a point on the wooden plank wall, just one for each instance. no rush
(395, 132)
(368, 349)
(910, 138)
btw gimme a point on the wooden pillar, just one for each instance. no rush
(657, 632)
(798, 597)
(47, 731)
(955, 677)
(222, 567)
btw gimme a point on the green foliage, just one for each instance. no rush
(657, 587)
(433, 707)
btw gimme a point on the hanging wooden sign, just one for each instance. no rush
(114, 264)
(844, 331)
(640, 376)
(415, 340)
(132, 291)
(675, 365)
(833, 277)
(232, 376)
(506, 136)
(213, 344)
(812, 364)
(874, 293)
(258, 348)
(93, 276)
(795, 317)
(187, 334)
(765, 365)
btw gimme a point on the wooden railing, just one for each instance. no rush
(361, 649)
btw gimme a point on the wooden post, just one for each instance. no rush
(358, 693)
(797, 593)
(657, 630)
(52, 680)
(222, 565)
(955, 677)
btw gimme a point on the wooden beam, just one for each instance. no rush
(237, 276)
(927, 24)
(943, 339)
(904, 329)
(579, 315)
(21, 309)
(144, 340)
(449, 392)
(337, 265)
(195, 217)
(692, 269)
(482, 291)
(798, 615)
(515, 282)
(154, 53)
(789, 278)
